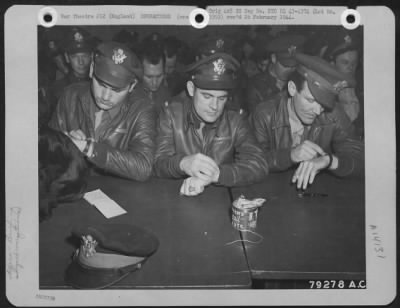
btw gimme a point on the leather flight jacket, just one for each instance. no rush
(332, 131)
(229, 142)
(126, 145)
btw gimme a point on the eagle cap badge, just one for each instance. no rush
(220, 43)
(78, 37)
(219, 66)
(118, 56)
(347, 39)
(88, 245)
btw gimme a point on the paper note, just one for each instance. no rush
(108, 207)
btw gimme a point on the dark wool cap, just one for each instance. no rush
(215, 72)
(116, 64)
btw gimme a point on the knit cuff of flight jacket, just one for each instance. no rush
(346, 166)
(226, 176)
(99, 156)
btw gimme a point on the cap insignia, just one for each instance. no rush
(78, 37)
(219, 66)
(340, 85)
(220, 43)
(88, 245)
(347, 39)
(52, 45)
(292, 50)
(118, 56)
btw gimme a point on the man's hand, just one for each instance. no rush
(192, 186)
(307, 171)
(305, 151)
(78, 137)
(200, 166)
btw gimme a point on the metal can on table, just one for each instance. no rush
(244, 213)
(244, 219)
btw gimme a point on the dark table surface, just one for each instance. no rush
(307, 238)
(194, 233)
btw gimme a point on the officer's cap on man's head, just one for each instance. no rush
(282, 45)
(116, 65)
(214, 44)
(107, 254)
(215, 72)
(341, 41)
(78, 40)
(324, 80)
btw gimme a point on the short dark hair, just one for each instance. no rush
(171, 46)
(62, 171)
(298, 79)
(153, 53)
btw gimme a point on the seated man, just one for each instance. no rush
(203, 142)
(111, 123)
(305, 129)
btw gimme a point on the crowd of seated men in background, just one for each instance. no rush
(223, 110)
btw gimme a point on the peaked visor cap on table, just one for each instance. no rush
(78, 40)
(215, 72)
(107, 254)
(324, 80)
(116, 65)
(282, 45)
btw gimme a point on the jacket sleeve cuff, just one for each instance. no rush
(175, 168)
(226, 176)
(280, 160)
(345, 166)
(99, 156)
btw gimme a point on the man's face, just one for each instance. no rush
(107, 97)
(80, 63)
(304, 104)
(170, 64)
(347, 62)
(209, 104)
(263, 65)
(153, 75)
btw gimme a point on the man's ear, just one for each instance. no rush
(133, 85)
(190, 88)
(91, 69)
(273, 58)
(66, 56)
(292, 89)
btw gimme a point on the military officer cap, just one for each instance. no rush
(324, 80)
(282, 45)
(78, 40)
(107, 254)
(116, 65)
(215, 72)
(215, 44)
(341, 41)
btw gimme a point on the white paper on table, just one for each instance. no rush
(108, 207)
